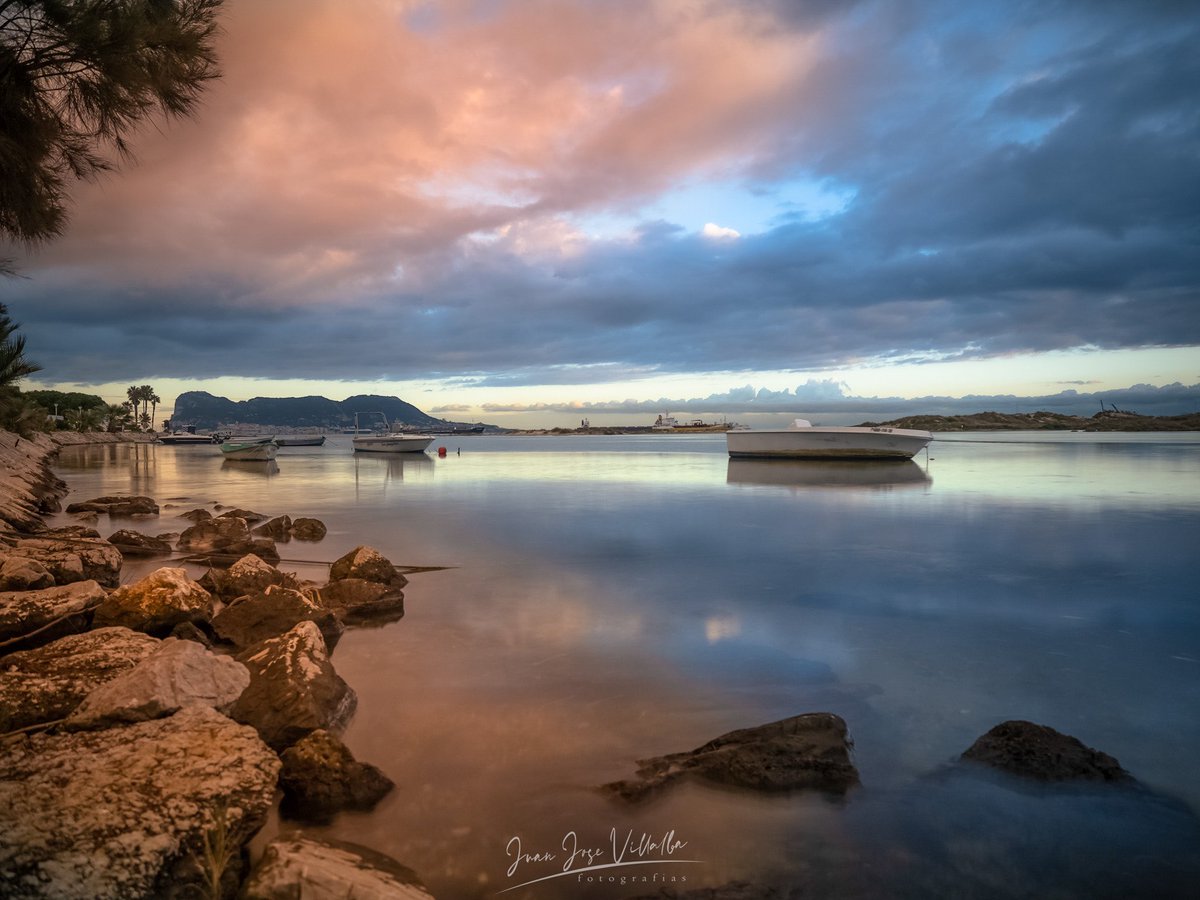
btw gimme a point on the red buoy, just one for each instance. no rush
(441, 451)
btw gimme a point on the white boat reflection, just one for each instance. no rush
(863, 474)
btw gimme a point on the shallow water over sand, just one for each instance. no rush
(612, 598)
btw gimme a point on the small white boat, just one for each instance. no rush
(258, 449)
(180, 438)
(300, 440)
(385, 439)
(801, 440)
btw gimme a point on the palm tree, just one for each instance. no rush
(84, 418)
(13, 364)
(134, 393)
(16, 413)
(116, 416)
(154, 401)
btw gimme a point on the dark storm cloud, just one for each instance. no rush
(1023, 178)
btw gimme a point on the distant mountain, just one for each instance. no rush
(205, 410)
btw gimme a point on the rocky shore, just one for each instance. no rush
(148, 729)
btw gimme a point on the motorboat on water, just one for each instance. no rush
(803, 440)
(255, 449)
(386, 439)
(183, 438)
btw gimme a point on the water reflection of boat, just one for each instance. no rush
(881, 473)
(255, 466)
(802, 440)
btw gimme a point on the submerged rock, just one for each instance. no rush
(134, 543)
(122, 814)
(307, 529)
(278, 528)
(248, 515)
(320, 776)
(1038, 751)
(225, 540)
(157, 603)
(175, 675)
(117, 506)
(294, 867)
(47, 684)
(294, 689)
(359, 602)
(806, 752)
(43, 615)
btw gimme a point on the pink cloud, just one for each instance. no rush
(342, 147)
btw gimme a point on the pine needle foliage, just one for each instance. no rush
(76, 78)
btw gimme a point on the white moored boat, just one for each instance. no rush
(257, 449)
(386, 440)
(183, 438)
(801, 440)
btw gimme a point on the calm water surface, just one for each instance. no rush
(606, 599)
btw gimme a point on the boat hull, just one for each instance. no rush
(257, 451)
(827, 443)
(178, 440)
(301, 441)
(391, 443)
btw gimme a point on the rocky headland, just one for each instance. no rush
(1104, 421)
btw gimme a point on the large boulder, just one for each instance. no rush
(294, 689)
(224, 540)
(134, 543)
(123, 814)
(295, 866)
(43, 615)
(47, 684)
(177, 674)
(360, 602)
(117, 506)
(19, 573)
(271, 612)
(805, 752)
(74, 558)
(320, 776)
(368, 564)
(249, 575)
(157, 603)
(1039, 752)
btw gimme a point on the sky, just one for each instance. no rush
(530, 212)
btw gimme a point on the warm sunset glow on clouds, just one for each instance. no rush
(502, 192)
